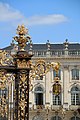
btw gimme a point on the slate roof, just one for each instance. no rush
(75, 46)
(43, 47)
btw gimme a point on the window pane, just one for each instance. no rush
(38, 117)
(57, 99)
(39, 98)
(59, 74)
(56, 118)
(75, 118)
(75, 74)
(75, 97)
(72, 99)
(38, 95)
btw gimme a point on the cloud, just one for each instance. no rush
(8, 14)
(47, 20)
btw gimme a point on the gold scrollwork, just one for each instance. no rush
(23, 63)
(23, 77)
(2, 79)
(41, 67)
(56, 88)
(22, 104)
(5, 58)
(3, 106)
(55, 66)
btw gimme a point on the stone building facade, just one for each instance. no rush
(66, 105)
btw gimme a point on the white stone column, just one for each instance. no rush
(65, 86)
(31, 99)
(47, 86)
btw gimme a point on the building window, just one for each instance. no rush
(75, 118)
(57, 99)
(75, 96)
(56, 118)
(59, 74)
(40, 53)
(75, 74)
(39, 95)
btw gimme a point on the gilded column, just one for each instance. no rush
(23, 66)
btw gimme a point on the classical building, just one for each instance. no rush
(43, 103)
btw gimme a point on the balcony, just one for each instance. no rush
(56, 107)
(74, 107)
(36, 107)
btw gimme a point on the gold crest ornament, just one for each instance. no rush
(56, 88)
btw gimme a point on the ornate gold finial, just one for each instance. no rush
(22, 37)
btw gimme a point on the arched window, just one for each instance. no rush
(38, 95)
(56, 118)
(75, 118)
(37, 117)
(75, 96)
(75, 74)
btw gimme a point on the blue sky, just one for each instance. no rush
(53, 20)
